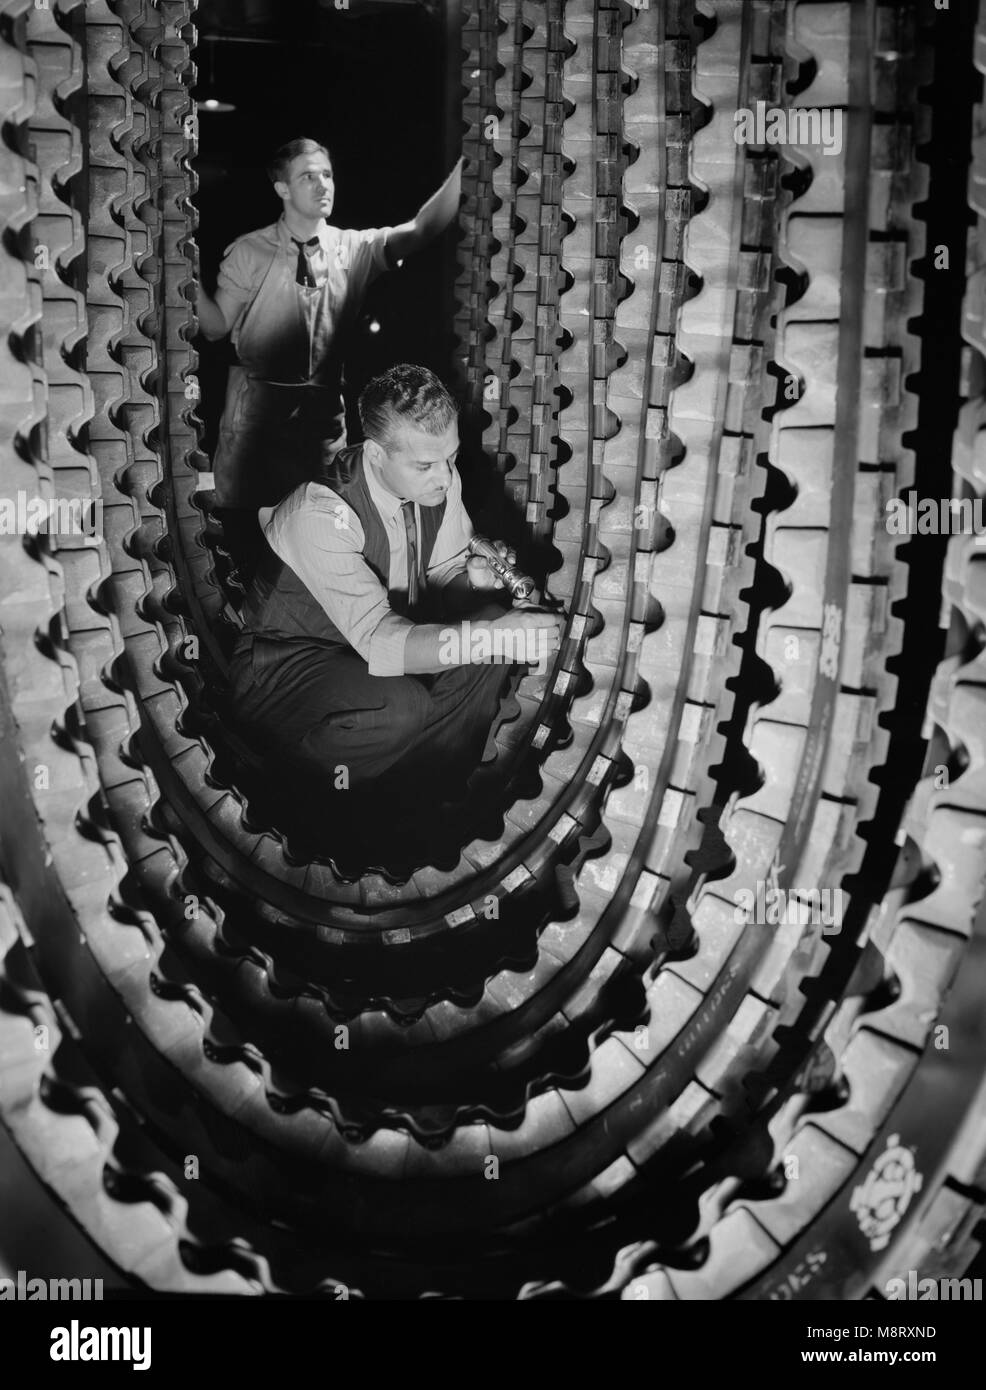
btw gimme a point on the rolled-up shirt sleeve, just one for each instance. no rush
(241, 271)
(450, 553)
(323, 544)
(366, 254)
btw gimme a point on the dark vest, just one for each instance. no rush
(279, 604)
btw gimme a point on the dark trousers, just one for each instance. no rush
(355, 753)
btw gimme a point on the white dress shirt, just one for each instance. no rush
(271, 339)
(319, 536)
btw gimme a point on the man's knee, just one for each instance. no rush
(407, 708)
(478, 686)
(370, 739)
(492, 682)
(246, 696)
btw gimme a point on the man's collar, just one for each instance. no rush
(326, 233)
(385, 501)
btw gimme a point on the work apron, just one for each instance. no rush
(284, 414)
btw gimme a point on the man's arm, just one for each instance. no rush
(431, 220)
(459, 594)
(239, 276)
(218, 316)
(521, 635)
(471, 574)
(323, 544)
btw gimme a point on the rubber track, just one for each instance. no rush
(634, 403)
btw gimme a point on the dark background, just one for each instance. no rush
(372, 84)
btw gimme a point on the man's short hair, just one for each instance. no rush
(406, 393)
(280, 164)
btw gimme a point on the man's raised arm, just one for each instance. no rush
(431, 220)
(218, 316)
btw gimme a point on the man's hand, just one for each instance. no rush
(519, 637)
(526, 637)
(479, 572)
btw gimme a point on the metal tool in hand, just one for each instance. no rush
(520, 585)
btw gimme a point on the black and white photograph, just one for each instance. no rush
(492, 671)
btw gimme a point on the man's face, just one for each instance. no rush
(417, 466)
(309, 189)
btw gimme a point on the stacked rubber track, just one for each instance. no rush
(564, 1062)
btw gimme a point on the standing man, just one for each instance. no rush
(356, 675)
(288, 294)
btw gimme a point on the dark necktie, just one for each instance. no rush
(303, 275)
(413, 571)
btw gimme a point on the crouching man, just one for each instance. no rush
(374, 655)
